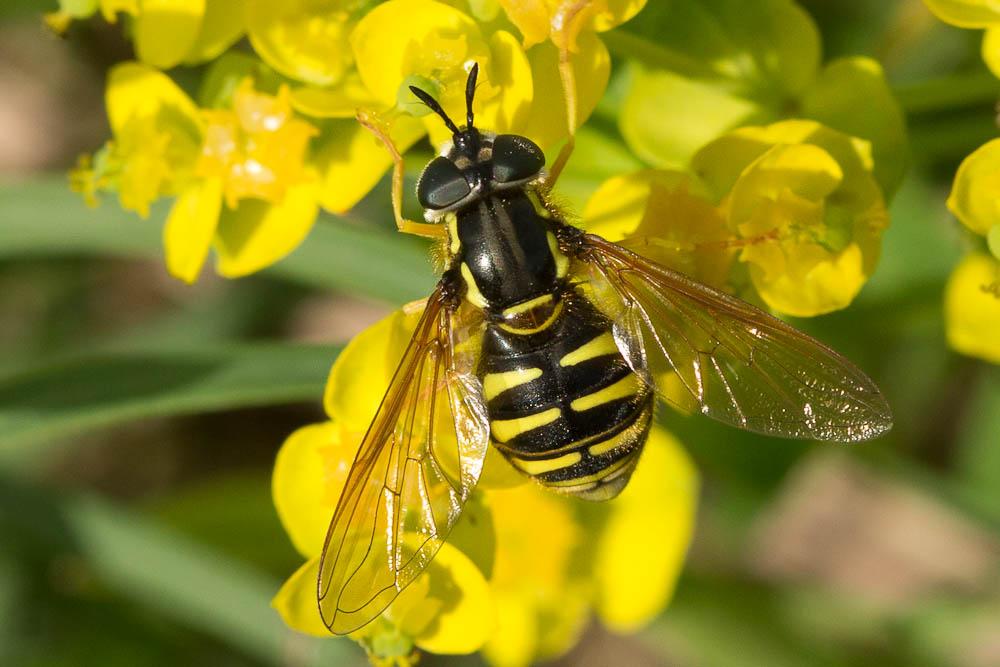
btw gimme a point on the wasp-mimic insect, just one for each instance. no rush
(547, 343)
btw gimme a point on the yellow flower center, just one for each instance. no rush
(258, 148)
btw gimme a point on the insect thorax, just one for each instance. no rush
(505, 249)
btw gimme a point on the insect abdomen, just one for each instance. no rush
(564, 407)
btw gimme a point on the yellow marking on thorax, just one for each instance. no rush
(627, 386)
(540, 466)
(495, 384)
(561, 260)
(538, 205)
(508, 429)
(601, 346)
(541, 327)
(472, 292)
(454, 243)
(600, 475)
(525, 306)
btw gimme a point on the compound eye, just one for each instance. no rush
(516, 158)
(441, 184)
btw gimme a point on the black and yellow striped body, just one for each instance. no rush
(563, 405)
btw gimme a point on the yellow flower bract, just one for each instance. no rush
(806, 207)
(972, 307)
(975, 195)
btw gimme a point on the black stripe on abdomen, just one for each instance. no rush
(564, 407)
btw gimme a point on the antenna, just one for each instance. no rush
(433, 105)
(470, 92)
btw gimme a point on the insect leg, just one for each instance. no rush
(371, 122)
(568, 79)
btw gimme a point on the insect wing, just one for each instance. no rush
(416, 467)
(741, 366)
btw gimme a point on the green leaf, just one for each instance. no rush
(44, 218)
(979, 456)
(195, 586)
(64, 399)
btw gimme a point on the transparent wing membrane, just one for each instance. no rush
(742, 366)
(416, 467)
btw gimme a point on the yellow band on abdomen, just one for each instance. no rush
(508, 429)
(627, 386)
(495, 384)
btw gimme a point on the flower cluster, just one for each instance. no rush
(972, 298)
(270, 138)
(524, 568)
(767, 182)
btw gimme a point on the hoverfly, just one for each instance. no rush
(547, 343)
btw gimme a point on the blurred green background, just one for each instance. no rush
(139, 417)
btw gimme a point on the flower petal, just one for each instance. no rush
(966, 13)
(137, 90)
(256, 234)
(449, 610)
(510, 70)
(991, 49)
(650, 529)
(221, 27)
(403, 37)
(190, 227)
(532, 17)
(340, 101)
(309, 475)
(805, 202)
(542, 596)
(972, 307)
(165, 30)
(301, 39)
(591, 68)
(671, 210)
(361, 374)
(351, 161)
(974, 195)
(296, 601)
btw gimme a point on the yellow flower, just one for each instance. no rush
(804, 202)
(157, 133)
(238, 173)
(975, 194)
(673, 211)
(166, 32)
(789, 215)
(430, 44)
(257, 148)
(539, 20)
(619, 558)
(972, 307)
(545, 27)
(519, 590)
(449, 608)
(302, 39)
